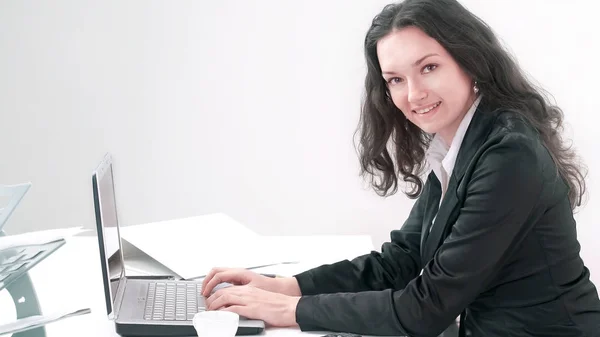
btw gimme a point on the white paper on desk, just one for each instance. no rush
(38, 237)
(312, 251)
(35, 321)
(192, 246)
(321, 248)
(289, 255)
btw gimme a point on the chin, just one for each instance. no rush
(432, 129)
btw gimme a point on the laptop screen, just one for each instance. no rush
(108, 231)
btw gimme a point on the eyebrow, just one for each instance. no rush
(419, 61)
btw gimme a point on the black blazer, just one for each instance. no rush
(503, 248)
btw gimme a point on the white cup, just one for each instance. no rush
(216, 323)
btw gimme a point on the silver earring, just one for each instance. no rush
(475, 88)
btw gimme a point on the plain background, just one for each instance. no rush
(242, 107)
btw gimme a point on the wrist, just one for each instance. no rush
(287, 286)
(292, 311)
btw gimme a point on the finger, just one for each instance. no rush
(210, 275)
(245, 291)
(213, 297)
(208, 286)
(225, 300)
(216, 280)
(238, 291)
(233, 276)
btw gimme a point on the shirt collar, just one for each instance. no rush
(439, 155)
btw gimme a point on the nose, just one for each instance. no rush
(416, 92)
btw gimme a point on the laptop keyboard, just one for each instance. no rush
(173, 301)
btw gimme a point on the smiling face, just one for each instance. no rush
(424, 81)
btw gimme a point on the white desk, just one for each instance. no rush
(71, 278)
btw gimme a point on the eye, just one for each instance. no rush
(394, 80)
(429, 68)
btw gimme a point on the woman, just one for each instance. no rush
(491, 237)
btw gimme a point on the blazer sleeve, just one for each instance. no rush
(397, 264)
(501, 195)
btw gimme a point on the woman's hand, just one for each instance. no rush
(274, 309)
(236, 276)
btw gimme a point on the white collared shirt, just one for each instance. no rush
(441, 158)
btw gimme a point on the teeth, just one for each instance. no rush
(424, 111)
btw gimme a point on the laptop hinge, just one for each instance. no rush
(119, 297)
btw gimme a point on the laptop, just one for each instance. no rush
(143, 305)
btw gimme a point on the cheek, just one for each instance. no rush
(460, 89)
(400, 100)
(441, 87)
(446, 82)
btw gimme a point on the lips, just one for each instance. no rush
(427, 109)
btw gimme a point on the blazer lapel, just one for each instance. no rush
(448, 212)
(440, 225)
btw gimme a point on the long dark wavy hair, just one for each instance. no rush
(390, 146)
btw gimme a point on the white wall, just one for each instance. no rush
(244, 107)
